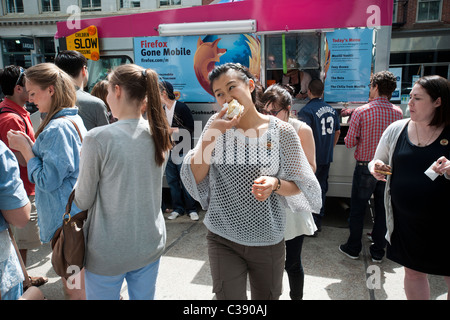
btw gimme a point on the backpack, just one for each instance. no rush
(7, 110)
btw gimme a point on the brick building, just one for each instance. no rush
(420, 42)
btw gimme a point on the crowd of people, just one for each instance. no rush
(261, 177)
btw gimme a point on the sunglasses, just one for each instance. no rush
(20, 78)
(273, 112)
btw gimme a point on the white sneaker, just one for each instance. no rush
(173, 215)
(194, 216)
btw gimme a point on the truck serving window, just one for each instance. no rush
(301, 53)
(98, 70)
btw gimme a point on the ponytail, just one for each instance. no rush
(142, 86)
(156, 117)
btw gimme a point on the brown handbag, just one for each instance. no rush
(68, 242)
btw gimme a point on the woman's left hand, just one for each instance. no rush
(442, 166)
(263, 187)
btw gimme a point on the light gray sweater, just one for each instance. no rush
(121, 185)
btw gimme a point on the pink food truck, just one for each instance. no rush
(288, 41)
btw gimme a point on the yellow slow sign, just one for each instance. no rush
(86, 42)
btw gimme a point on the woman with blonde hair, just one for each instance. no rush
(126, 232)
(53, 160)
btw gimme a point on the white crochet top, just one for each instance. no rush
(237, 160)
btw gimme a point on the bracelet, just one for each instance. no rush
(278, 186)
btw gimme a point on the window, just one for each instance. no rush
(163, 3)
(395, 13)
(91, 5)
(17, 51)
(98, 70)
(50, 5)
(419, 64)
(429, 10)
(14, 6)
(125, 4)
(302, 53)
(47, 46)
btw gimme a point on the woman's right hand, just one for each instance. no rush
(202, 157)
(19, 140)
(380, 170)
(223, 124)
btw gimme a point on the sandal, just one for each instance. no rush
(38, 281)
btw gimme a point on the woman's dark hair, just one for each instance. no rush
(141, 84)
(278, 96)
(243, 72)
(438, 87)
(100, 90)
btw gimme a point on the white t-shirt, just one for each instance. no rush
(169, 113)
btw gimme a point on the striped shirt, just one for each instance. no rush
(367, 125)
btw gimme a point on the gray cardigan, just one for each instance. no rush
(121, 185)
(384, 152)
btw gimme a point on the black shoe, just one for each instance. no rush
(343, 248)
(377, 255)
(377, 260)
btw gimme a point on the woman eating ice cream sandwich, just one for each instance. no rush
(243, 171)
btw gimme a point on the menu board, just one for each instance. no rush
(348, 60)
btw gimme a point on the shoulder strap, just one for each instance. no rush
(76, 127)
(3, 110)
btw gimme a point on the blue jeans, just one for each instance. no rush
(141, 284)
(364, 185)
(181, 199)
(322, 172)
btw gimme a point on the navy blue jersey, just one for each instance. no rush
(324, 122)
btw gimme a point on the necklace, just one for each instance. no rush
(418, 140)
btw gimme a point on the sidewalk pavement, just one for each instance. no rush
(184, 272)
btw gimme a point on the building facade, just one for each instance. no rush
(27, 27)
(420, 30)
(420, 42)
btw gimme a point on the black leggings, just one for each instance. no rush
(294, 268)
